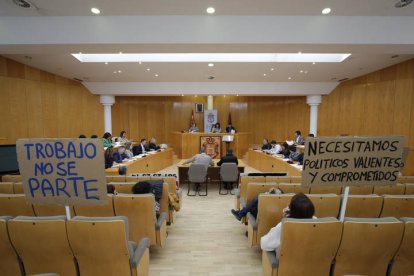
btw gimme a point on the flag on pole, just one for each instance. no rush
(192, 118)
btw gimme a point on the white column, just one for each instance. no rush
(209, 102)
(107, 101)
(313, 102)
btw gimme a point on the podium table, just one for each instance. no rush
(268, 163)
(187, 144)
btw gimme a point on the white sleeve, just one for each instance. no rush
(271, 241)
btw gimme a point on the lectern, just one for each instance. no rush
(228, 139)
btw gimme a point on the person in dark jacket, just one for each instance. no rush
(141, 148)
(109, 159)
(150, 187)
(119, 155)
(266, 145)
(228, 158)
(153, 144)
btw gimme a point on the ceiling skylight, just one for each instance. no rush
(212, 57)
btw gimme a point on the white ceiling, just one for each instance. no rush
(373, 31)
(198, 7)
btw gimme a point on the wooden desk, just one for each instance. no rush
(267, 163)
(152, 163)
(213, 171)
(187, 145)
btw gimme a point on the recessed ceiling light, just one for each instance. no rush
(289, 78)
(305, 72)
(195, 96)
(326, 11)
(301, 71)
(119, 71)
(182, 95)
(211, 65)
(120, 53)
(224, 96)
(148, 69)
(95, 11)
(264, 75)
(106, 63)
(139, 62)
(299, 52)
(210, 10)
(214, 57)
(156, 75)
(313, 63)
(272, 69)
(237, 95)
(115, 72)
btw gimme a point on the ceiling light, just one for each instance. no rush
(156, 75)
(95, 11)
(115, 72)
(210, 10)
(264, 75)
(305, 72)
(237, 95)
(313, 63)
(224, 96)
(119, 71)
(106, 63)
(211, 65)
(140, 63)
(299, 52)
(301, 71)
(214, 57)
(326, 11)
(289, 78)
(120, 53)
(182, 95)
(195, 96)
(272, 69)
(148, 69)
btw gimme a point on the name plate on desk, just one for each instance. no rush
(228, 138)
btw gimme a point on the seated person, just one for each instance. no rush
(300, 207)
(82, 136)
(119, 155)
(106, 140)
(285, 150)
(216, 128)
(276, 148)
(110, 189)
(266, 145)
(128, 151)
(193, 128)
(150, 187)
(122, 137)
(230, 129)
(201, 158)
(299, 140)
(94, 136)
(109, 159)
(294, 154)
(311, 135)
(141, 148)
(228, 158)
(153, 144)
(253, 205)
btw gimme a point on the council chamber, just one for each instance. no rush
(189, 138)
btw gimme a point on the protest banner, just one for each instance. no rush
(348, 161)
(62, 171)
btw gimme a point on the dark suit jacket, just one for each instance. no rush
(119, 157)
(266, 147)
(138, 149)
(153, 146)
(228, 159)
(229, 129)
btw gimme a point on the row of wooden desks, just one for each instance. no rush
(268, 163)
(213, 171)
(151, 163)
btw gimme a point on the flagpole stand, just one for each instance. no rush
(344, 203)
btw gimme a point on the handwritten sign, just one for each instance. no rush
(374, 160)
(62, 171)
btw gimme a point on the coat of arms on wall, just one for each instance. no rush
(212, 145)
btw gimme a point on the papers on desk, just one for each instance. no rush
(290, 142)
(285, 159)
(299, 167)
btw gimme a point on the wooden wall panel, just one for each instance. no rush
(35, 103)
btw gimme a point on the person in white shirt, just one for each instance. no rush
(276, 148)
(300, 207)
(122, 137)
(128, 151)
(193, 128)
(299, 140)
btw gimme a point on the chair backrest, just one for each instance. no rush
(293, 188)
(403, 263)
(50, 210)
(326, 190)
(409, 188)
(398, 189)
(361, 190)
(15, 205)
(6, 188)
(326, 205)
(401, 179)
(367, 246)
(9, 264)
(270, 211)
(363, 206)
(18, 188)
(254, 189)
(278, 179)
(11, 178)
(123, 187)
(398, 206)
(172, 181)
(244, 180)
(308, 246)
(229, 172)
(115, 178)
(42, 244)
(139, 209)
(164, 202)
(197, 173)
(97, 211)
(296, 179)
(100, 245)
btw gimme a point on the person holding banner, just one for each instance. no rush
(300, 207)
